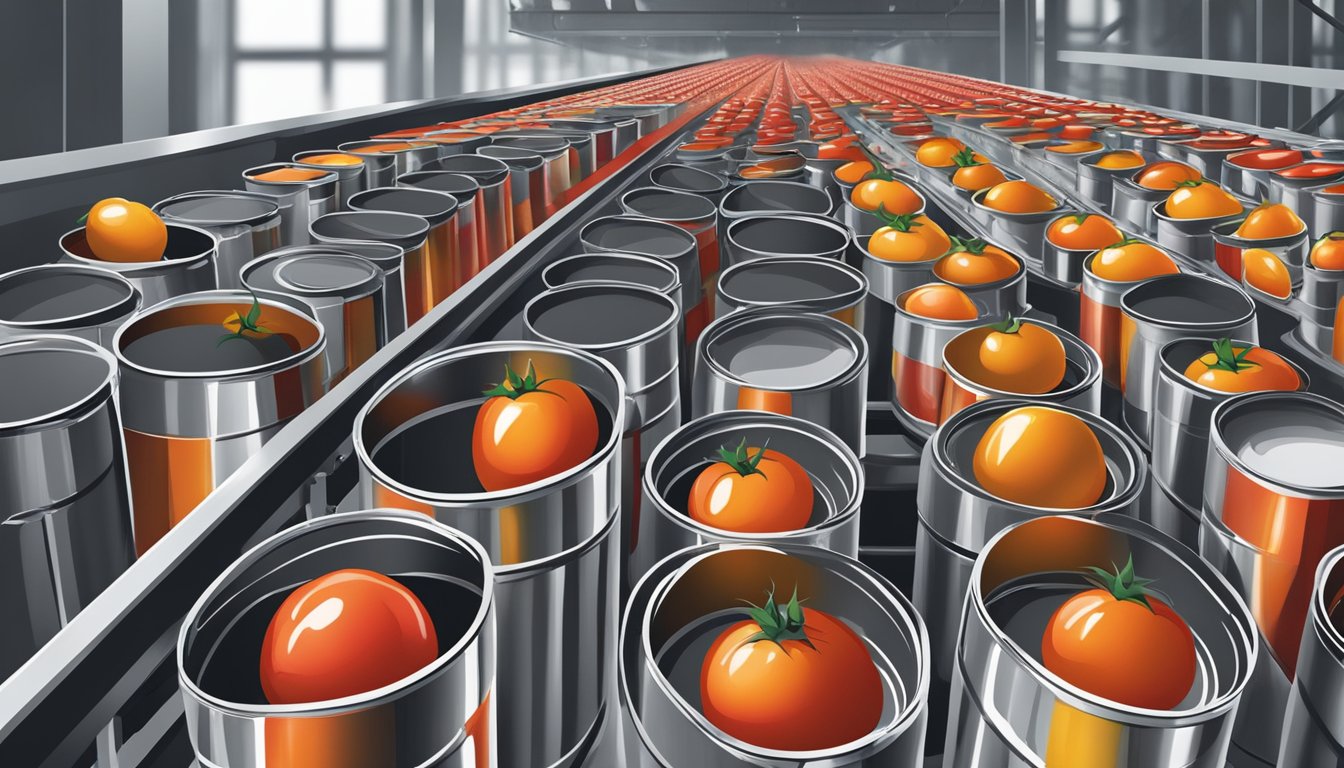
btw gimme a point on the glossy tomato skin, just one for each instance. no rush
(978, 177)
(122, 231)
(777, 498)
(344, 633)
(892, 196)
(1029, 361)
(788, 696)
(1088, 232)
(1041, 457)
(535, 436)
(1120, 650)
(923, 241)
(1266, 372)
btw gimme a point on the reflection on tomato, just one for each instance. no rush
(885, 192)
(121, 231)
(975, 262)
(1019, 357)
(908, 238)
(1201, 200)
(1120, 159)
(1121, 643)
(973, 173)
(791, 679)
(1242, 369)
(1269, 220)
(1018, 196)
(1167, 175)
(1131, 260)
(1042, 457)
(853, 172)
(938, 301)
(752, 490)
(1328, 252)
(1083, 232)
(938, 152)
(529, 429)
(1266, 272)
(344, 633)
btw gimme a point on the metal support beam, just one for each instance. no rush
(1315, 121)
(1017, 37)
(1307, 77)
(1321, 14)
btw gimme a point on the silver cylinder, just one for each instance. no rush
(351, 177)
(187, 264)
(798, 283)
(406, 232)
(766, 235)
(1192, 238)
(1311, 726)
(300, 201)
(686, 178)
(69, 299)
(244, 225)
(391, 156)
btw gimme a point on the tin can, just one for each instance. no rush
(1192, 238)
(625, 268)
(1097, 184)
(958, 519)
(693, 213)
(243, 224)
(69, 299)
(1291, 251)
(786, 166)
(553, 543)
(405, 156)
(1132, 206)
(998, 298)
(686, 178)
(666, 242)
(1311, 732)
(351, 175)
(441, 715)
(66, 533)
(813, 367)
(645, 347)
(527, 171)
(457, 141)
(762, 236)
(302, 193)
(1180, 438)
(603, 134)
(195, 408)
(1080, 389)
(1328, 209)
(797, 283)
(1273, 500)
(387, 257)
(343, 291)
(1008, 710)
(1246, 172)
(581, 151)
(1099, 318)
(1025, 232)
(1319, 299)
(673, 465)
(554, 153)
(495, 214)
(688, 598)
(346, 229)
(1060, 264)
(917, 376)
(1299, 192)
(1163, 309)
(187, 264)
(470, 211)
(766, 197)
(437, 269)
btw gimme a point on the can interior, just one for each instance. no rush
(323, 273)
(787, 235)
(217, 210)
(371, 225)
(487, 171)
(687, 179)
(612, 268)
(654, 238)
(584, 316)
(183, 243)
(189, 338)
(755, 196)
(779, 281)
(705, 597)
(1187, 300)
(47, 294)
(431, 205)
(1292, 441)
(37, 382)
(783, 353)
(667, 205)
(459, 185)
(222, 652)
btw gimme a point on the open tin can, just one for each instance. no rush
(1133, 205)
(1165, 308)
(800, 283)
(1099, 318)
(693, 213)
(1024, 232)
(687, 599)
(553, 542)
(470, 214)
(528, 172)
(1311, 726)
(554, 153)
(1192, 238)
(771, 197)
(302, 193)
(494, 223)
(1273, 505)
(763, 236)
(666, 242)
(917, 376)
(1298, 190)
(1097, 184)
(400, 156)
(404, 231)
(621, 268)
(351, 175)
(441, 715)
(1008, 709)
(244, 226)
(187, 264)
(433, 271)
(1291, 251)
(686, 178)
(68, 299)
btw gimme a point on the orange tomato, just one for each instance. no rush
(1120, 159)
(1328, 252)
(908, 238)
(938, 152)
(938, 301)
(344, 633)
(792, 679)
(752, 490)
(975, 262)
(1131, 260)
(1083, 232)
(853, 172)
(1018, 196)
(1121, 643)
(1041, 457)
(1020, 357)
(887, 193)
(528, 430)
(974, 173)
(1270, 220)
(1242, 369)
(1167, 175)
(1201, 200)
(121, 231)
(1266, 272)
(1075, 147)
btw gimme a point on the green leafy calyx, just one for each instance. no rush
(1227, 358)
(740, 459)
(1010, 324)
(1189, 183)
(1122, 583)
(514, 386)
(899, 222)
(249, 323)
(1123, 242)
(973, 245)
(778, 622)
(879, 170)
(966, 158)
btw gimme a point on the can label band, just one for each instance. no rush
(169, 477)
(752, 399)
(1099, 328)
(918, 387)
(350, 740)
(1128, 330)
(1081, 740)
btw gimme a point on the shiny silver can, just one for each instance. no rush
(187, 264)
(1311, 726)
(68, 299)
(302, 193)
(800, 283)
(244, 225)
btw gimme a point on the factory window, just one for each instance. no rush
(298, 57)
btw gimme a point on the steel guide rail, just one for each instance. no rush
(55, 706)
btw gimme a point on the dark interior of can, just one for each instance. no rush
(668, 205)
(404, 230)
(787, 235)
(777, 196)
(784, 353)
(37, 382)
(776, 281)
(189, 338)
(222, 654)
(183, 243)
(420, 433)
(655, 238)
(214, 210)
(459, 185)
(488, 171)
(1184, 299)
(684, 178)
(431, 205)
(621, 268)
(55, 293)
(584, 315)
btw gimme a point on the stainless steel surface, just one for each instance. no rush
(240, 235)
(187, 264)
(67, 299)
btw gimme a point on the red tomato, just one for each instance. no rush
(752, 492)
(342, 634)
(529, 430)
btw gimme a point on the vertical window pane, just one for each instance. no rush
(270, 90)
(359, 24)
(357, 83)
(278, 24)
